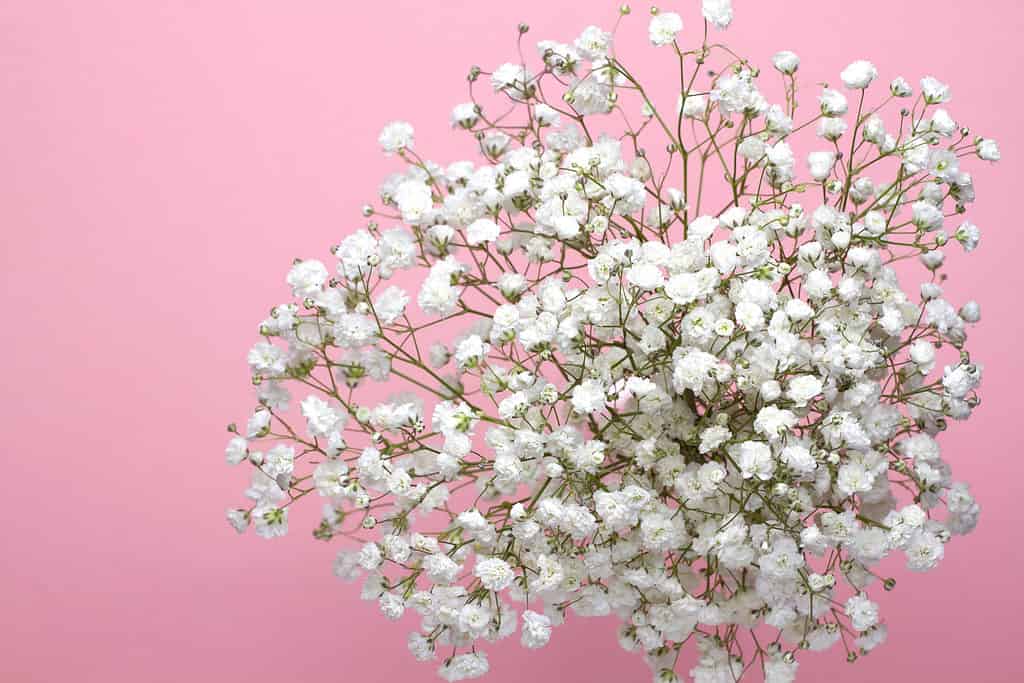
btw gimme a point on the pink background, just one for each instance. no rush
(165, 161)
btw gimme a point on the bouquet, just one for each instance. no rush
(637, 360)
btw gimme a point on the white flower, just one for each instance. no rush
(238, 519)
(391, 606)
(237, 450)
(872, 638)
(645, 276)
(724, 256)
(702, 227)
(755, 460)
(820, 164)
(546, 115)
(307, 278)
(798, 458)
(270, 521)
(589, 396)
(481, 231)
(780, 670)
(413, 199)
(803, 388)
(924, 551)
(391, 303)
(512, 79)
(960, 380)
(970, 312)
(854, 478)
(934, 91)
(471, 351)
(356, 253)
(833, 103)
(988, 149)
(862, 612)
(770, 391)
(494, 573)
(900, 88)
(663, 28)
(713, 437)
(438, 295)
(786, 62)
(593, 43)
(780, 155)
(627, 194)
(693, 106)
(465, 115)
(859, 74)
(588, 457)
(737, 93)
(421, 647)
(773, 423)
(692, 370)
(943, 123)
(321, 417)
(329, 477)
(831, 128)
(266, 359)
(717, 12)
(280, 461)
(440, 568)
(396, 136)
(258, 423)
(464, 667)
(536, 630)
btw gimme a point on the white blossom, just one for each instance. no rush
(396, 136)
(859, 74)
(717, 12)
(494, 573)
(786, 62)
(536, 630)
(664, 27)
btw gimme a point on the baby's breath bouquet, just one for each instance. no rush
(636, 361)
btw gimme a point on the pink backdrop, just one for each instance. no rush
(165, 161)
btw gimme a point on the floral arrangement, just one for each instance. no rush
(679, 384)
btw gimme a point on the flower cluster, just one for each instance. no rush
(575, 378)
